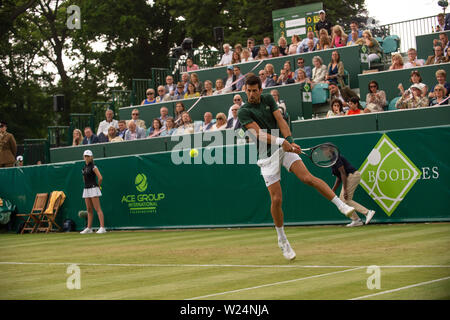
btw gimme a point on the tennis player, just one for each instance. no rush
(263, 119)
(92, 193)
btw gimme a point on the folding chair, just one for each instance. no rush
(34, 217)
(47, 223)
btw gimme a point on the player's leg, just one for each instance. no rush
(277, 216)
(97, 207)
(353, 181)
(303, 174)
(89, 209)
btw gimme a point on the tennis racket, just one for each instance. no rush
(323, 155)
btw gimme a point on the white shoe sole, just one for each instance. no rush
(370, 216)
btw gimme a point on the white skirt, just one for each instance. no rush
(92, 192)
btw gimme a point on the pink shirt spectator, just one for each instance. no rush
(193, 67)
(337, 42)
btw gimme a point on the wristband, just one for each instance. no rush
(279, 141)
(289, 139)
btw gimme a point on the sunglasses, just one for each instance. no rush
(372, 86)
(237, 99)
(135, 114)
(150, 93)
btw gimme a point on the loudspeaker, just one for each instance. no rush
(218, 34)
(58, 103)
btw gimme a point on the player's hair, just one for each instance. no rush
(252, 79)
(338, 101)
(355, 100)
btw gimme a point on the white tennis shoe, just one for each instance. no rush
(87, 230)
(355, 223)
(346, 210)
(285, 247)
(369, 216)
(101, 230)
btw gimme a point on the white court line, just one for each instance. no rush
(273, 284)
(402, 288)
(211, 265)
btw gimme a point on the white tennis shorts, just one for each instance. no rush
(271, 167)
(92, 192)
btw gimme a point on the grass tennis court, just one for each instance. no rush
(231, 264)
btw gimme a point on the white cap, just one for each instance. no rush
(19, 158)
(88, 153)
(416, 86)
(321, 11)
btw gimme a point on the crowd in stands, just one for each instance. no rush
(343, 100)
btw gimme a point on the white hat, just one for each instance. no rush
(88, 153)
(19, 158)
(321, 11)
(416, 86)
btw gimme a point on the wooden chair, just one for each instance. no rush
(47, 222)
(33, 218)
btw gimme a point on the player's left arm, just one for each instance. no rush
(99, 176)
(285, 130)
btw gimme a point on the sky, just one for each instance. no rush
(388, 11)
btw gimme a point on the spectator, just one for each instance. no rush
(235, 57)
(397, 62)
(275, 52)
(89, 136)
(447, 22)
(337, 109)
(208, 91)
(207, 123)
(228, 81)
(265, 80)
(289, 72)
(105, 124)
(185, 77)
(323, 23)
(335, 69)
(164, 112)
(301, 65)
(439, 96)
(112, 135)
(319, 72)
(219, 87)
(221, 122)
(283, 46)
(246, 56)
(191, 93)
(441, 77)
(267, 45)
(438, 56)
(237, 100)
(170, 127)
(270, 72)
(441, 22)
(443, 42)
(226, 57)
(77, 137)
(353, 38)
(412, 60)
(374, 49)
(251, 47)
(415, 79)
(339, 38)
(412, 99)
(262, 53)
(122, 129)
(355, 106)
(19, 161)
(324, 40)
(302, 78)
(284, 78)
(135, 118)
(162, 95)
(134, 132)
(354, 34)
(344, 94)
(156, 129)
(8, 147)
(280, 103)
(375, 99)
(186, 126)
(170, 86)
(150, 94)
(238, 48)
(447, 56)
(234, 123)
(196, 82)
(295, 42)
(179, 109)
(239, 78)
(305, 45)
(190, 65)
(179, 94)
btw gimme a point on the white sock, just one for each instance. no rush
(280, 232)
(338, 202)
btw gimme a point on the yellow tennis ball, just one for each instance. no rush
(193, 153)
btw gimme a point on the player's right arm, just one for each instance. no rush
(265, 137)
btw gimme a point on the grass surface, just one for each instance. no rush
(230, 264)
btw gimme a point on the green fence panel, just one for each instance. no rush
(389, 80)
(156, 191)
(59, 136)
(113, 149)
(75, 153)
(36, 150)
(215, 73)
(120, 99)
(424, 44)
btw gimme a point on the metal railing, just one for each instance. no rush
(35, 150)
(59, 136)
(139, 87)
